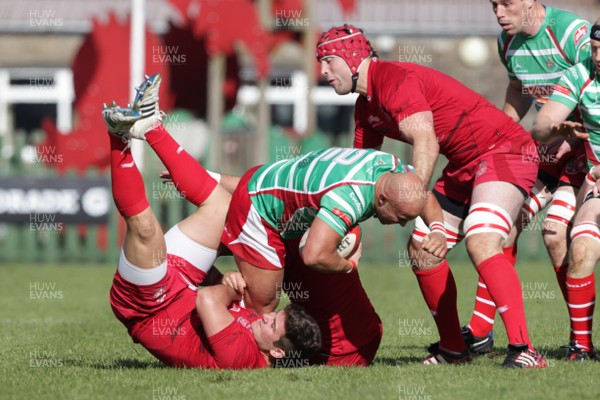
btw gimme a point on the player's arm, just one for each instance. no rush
(212, 306)
(320, 249)
(551, 121)
(516, 103)
(418, 130)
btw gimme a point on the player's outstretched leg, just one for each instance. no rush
(144, 246)
(204, 226)
(189, 176)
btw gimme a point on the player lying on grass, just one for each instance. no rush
(351, 328)
(154, 292)
(481, 190)
(579, 88)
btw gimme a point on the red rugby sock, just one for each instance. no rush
(127, 183)
(484, 312)
(190, 178)
(581, 300)
(504, 286)
(439, 290)
(561, 278)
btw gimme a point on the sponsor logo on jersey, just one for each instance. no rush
(518, 68)
(562, 89)
(340, 214)
(356, 203)
(580, 33)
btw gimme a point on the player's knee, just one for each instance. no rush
(581, 256)
(554, 234)
(475, 245)
(482, 246)
(585, 250)
(514, 234)
(413, 248)
(144, 226)
(424, 261)
(585, 246)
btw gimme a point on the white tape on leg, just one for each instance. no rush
(562, 208)
(487, 218)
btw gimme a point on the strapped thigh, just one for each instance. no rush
(586, 229)
(488, 218)
(534, 203)
(562, 208)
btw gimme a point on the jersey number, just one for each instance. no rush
(345, 156)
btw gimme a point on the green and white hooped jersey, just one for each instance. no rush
(336, 185)
(580, 88)
(539, 61)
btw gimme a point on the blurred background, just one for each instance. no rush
(241, 87)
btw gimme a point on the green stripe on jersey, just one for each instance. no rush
(580, 87)
(539, 61)
(336, 185)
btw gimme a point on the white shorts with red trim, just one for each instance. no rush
(248, 235)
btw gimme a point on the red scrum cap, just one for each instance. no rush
(348, 43)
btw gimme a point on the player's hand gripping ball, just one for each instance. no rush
(348, 245)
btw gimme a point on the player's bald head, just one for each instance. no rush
(407, 191)
(399, 197)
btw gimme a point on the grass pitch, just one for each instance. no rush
(61, 340)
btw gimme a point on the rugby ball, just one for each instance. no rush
(348, 245)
